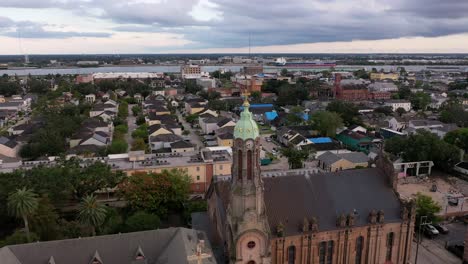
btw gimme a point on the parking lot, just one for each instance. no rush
(434, 251)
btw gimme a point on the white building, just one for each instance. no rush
(395, 104)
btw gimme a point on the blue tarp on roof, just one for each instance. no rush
(258, 106)
(271, 115)
(320, 140)
(304, 116)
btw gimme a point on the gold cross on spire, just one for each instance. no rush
(246, 99)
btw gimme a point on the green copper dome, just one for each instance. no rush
(246, 127)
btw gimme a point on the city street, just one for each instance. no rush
(131, 122)
(281, 163)
(194, 138)
(433, 251)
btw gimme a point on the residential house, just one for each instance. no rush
(163, 141)
(381, 76)
(9, 147)
(90, 98)
(210, 124)
(158, 129)
(195, 106)
(259, 110)
(355, 141)
(295, 136)
(321, 145)
(182, 146)
(395, 104)
(343, 161)
(225, 139)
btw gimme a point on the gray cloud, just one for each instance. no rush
(29, 29)
(271, 22)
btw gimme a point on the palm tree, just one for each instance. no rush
(91, 213)
(22, 204)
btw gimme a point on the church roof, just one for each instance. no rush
(246, 127)
(171, 245)
(326, 196)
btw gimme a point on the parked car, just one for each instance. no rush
(441, 228)
(430, 231)
(267, 139)
(456, 249)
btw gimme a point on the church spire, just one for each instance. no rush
(246, 127)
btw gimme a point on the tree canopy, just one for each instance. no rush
(326, 122)
(156, 192)
(424, 146)
(348, 112)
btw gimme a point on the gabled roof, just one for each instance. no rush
(228, 135)
(223, 122)
(181, 144)
(11, 143)
(171, 245)
(166, 138)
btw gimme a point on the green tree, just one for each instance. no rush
(19, 237)
(361, 74)
(425, 206)
(386, 110)
(22, 204)
(113, 223)
(136, 110)
(44, 221)
(139, 144)
(458, 138)
(400, 111)
(348, 112)
(156, 192)
(91, 213)
(295, 157)
(454, 112)
(191, 118)
(94, 177)
(141, 221)
(117, 146)
(256, 97)
(420, 100)
(424, 146)
(326, 122)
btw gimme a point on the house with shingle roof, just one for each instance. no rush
(9, 147)
(329, 161)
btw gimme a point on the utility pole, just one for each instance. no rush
(422, 222)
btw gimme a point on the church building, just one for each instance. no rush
(349, 217)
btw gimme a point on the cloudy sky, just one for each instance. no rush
(208, 26)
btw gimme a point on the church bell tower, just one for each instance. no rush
(247, 220)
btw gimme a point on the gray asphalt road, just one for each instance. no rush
(194, 138)
(131, 122)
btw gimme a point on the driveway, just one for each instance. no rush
(131, 123)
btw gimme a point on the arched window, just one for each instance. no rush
(239, 164)
(330, 249)
(249, 165)
(359, 244)
(322, 251)
(291, 254)
(390, 238)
